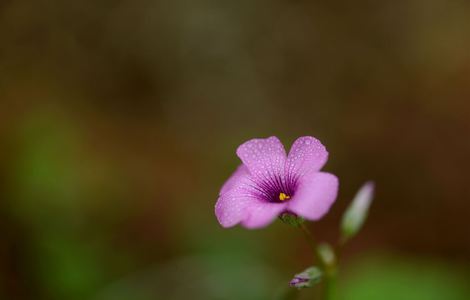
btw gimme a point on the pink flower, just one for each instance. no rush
(269, 182)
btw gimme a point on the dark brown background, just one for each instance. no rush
(119, 122)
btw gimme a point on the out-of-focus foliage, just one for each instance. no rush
(398, 278)
(217, 276)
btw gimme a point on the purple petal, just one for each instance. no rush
(238, 202)
(237, 197)
(261, 214)
(314, 196)
(231, 208)
(263, 157)
(306, 154)
(234, 179)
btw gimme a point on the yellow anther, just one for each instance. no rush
(283, 196)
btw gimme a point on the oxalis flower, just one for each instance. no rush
(269, 182)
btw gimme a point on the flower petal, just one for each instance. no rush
(261, 214)
(306, 154)
(314, 196)
(238, 202)
(234, 179)
(264, 158)
(230, 208)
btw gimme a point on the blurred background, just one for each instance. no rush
(119, 121)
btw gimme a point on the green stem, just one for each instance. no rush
(330, 282)
(313, 243)
(329, 267)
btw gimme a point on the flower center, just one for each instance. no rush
(275, 189)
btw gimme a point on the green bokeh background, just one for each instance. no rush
(119, 122)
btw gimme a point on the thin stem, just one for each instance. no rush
(329, 267)
(312, 242)
(329, 288)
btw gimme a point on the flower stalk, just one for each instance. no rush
(326, 258)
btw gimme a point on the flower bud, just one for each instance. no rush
(327, 254)
(307, 278)
(356, 213)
